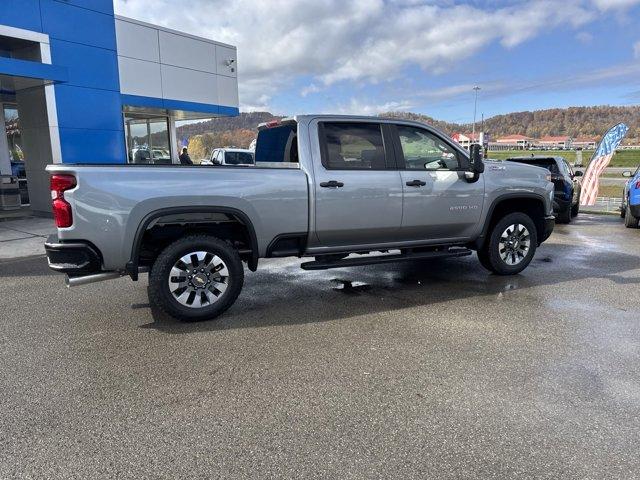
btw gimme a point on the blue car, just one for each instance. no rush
(630, 208)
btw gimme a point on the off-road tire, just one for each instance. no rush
(160, 293)
(490, 256)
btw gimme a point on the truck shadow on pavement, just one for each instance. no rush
(281, 294)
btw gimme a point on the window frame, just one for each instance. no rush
(148, 118)
(387, 145)
(402, 165)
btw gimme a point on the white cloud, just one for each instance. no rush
(309, 89)
(584, 37)
(636, 49)
(360, 41)
(360, 107)
(605, 5)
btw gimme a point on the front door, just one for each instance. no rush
(440, 203)
(358, 191)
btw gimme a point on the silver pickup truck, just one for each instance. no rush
(347, 191)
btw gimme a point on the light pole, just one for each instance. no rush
(475, 108)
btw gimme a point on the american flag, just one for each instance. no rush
(601, 158)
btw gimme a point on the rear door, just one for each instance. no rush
(439, 202)
(358, 191)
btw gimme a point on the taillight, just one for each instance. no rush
(61, 208)
(638, 183)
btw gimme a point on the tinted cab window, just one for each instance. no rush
(423, 150)
(352, 146)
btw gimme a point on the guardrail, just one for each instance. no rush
(605, 204)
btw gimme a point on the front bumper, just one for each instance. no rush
(73, 258)
(549, 224)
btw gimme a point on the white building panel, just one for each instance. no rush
(226, 61)
(227, 91)
(139, 77)
(187, 52)
(137, 41)
(189, 85)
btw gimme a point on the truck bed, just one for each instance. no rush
(111, 202)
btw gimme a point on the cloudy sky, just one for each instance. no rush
(368, 56)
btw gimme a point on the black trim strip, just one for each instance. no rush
(133, 264)
(272, 247)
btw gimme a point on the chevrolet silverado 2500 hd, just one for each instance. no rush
(322, 186)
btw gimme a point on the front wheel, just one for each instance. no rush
(196, 278)
(510, 246)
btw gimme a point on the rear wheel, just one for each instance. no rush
(510, 246)
(196, 278)
(629, 220)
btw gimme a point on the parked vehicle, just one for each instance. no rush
(630, 208)
(567, 187)
(327, 187)
(230, 156)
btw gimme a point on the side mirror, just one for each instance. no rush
(579, 173)
(476, 154)
(627, 173)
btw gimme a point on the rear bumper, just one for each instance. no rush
(73, 258)
(549, 224)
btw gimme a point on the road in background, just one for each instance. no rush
(421, 370)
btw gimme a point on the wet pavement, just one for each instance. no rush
(422, 370)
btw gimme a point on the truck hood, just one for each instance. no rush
(516, 170)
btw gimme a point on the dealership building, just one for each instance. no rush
(79, 84)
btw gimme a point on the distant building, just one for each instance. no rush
(466, 139)
(511, 142)
(585, 143)
(562, 142)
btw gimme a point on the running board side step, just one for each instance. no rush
(375, 259)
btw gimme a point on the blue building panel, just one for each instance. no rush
(37, 70)
(64, 21)
(88, 108)
(89, 67)
(92, 146)
(104, 6)
(23, 14)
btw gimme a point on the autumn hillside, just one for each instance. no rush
(574, 121)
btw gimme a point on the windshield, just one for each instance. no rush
(238, 158)
(548, 163)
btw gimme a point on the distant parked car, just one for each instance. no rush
(630, 208)
(230, 156)
(567, 187)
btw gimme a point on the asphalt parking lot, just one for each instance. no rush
(423, 370)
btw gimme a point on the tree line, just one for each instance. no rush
(575, 122)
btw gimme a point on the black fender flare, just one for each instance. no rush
(133, 264)
(507, 196)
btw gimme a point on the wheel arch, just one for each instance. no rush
(530, 203)
(132, 267)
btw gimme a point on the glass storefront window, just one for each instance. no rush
(148, 139)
